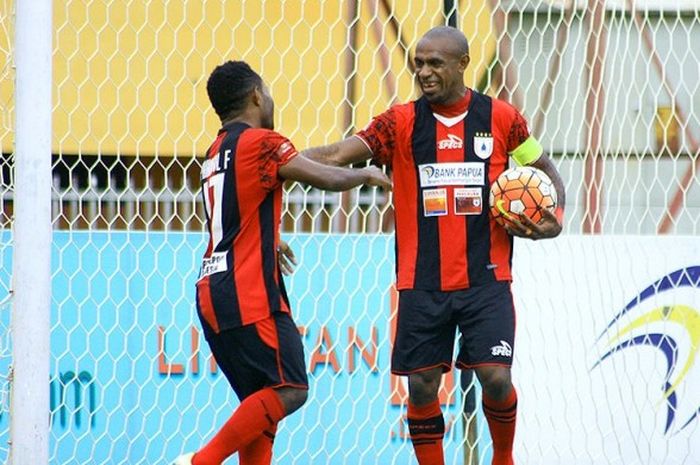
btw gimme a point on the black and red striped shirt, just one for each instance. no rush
(444, 160)
(239, 281)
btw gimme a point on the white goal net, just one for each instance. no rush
(609, 313)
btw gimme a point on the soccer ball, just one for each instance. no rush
(522, 189)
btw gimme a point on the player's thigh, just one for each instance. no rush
(292, 361)
(486, 319)
(267, 353)
(424, 332)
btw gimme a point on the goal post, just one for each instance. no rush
(31, 229)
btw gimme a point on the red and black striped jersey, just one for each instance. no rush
(239, 280)
(444, 161)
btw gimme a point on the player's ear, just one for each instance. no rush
(256, 96)
(464, 61)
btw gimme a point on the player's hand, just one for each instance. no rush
(376, 177)
(524, 227)
(286, 259)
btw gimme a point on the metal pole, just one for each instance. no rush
(449, 8)
(508, 89)
(669, 216)
(554, 68)
(29, 424)
(595, 107)
(352, 19)
(403, 45)
(388, 80)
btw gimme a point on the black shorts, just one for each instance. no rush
(268, 353)
(427, 322)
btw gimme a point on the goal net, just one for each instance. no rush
(608, 313)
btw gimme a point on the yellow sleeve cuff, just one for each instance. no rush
(528, 152)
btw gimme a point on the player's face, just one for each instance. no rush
(439, 70)
(267, 109)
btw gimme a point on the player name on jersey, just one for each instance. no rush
(216, 163)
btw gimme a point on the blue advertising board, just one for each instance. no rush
(132, 380)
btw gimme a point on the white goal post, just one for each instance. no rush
(30, 286)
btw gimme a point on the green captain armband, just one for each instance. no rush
(527, 152)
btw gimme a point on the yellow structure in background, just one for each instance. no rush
(130, 76)
(6, 78)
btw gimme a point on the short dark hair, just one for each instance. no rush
(460, 45)
(229, 85)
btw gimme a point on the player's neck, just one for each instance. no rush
(456, 107)
(248, 117)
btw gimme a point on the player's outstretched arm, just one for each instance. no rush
(346, 152)
(332, 178)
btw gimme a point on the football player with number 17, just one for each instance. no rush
(241, 299)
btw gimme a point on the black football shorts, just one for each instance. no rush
(427, 322)
(268, 353)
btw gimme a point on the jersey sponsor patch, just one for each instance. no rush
(451, 174)
(468, 201)
(483, 145)
(214, 264)
(435, 202)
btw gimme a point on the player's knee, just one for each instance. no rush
(496, 382)
(423, 386)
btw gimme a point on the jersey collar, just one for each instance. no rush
(456, 109)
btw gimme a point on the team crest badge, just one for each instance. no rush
(483, 145)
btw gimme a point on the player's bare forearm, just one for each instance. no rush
(346, 152)
(332, 178)
(326, 154)
(341, 179)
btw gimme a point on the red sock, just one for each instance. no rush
(256, 414)
(427, 428)
(258, 452)
(501, 418)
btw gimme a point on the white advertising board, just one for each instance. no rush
(608, 335)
